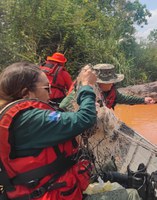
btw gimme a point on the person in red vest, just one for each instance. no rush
(39, 157)
(58, 76)
(106, 79)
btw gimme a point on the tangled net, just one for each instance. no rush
(110, 144)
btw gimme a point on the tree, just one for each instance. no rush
(87, 31)
(153, 36)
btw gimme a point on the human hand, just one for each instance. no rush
(87, 76)
(149, 100)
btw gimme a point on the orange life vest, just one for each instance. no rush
(52, 175)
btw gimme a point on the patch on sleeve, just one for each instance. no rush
(54, 116)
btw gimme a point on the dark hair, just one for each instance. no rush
(15, 78)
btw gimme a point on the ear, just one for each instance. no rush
(25, 93)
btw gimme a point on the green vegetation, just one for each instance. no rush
(87, 31)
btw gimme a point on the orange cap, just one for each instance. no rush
(58, 57)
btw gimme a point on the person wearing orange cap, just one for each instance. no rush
(58, 76)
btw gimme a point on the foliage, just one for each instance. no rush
(146, 63)
(153, 37)
(86, 31)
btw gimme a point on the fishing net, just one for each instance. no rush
(110, 144)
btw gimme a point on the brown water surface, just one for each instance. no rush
(142, 118)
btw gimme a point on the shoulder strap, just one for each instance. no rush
(49, 65)
(56, 73)
(52, 69)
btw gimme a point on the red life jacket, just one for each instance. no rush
(111, 97)
(54, 72)
(52, 175)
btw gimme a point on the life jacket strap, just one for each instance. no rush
(49, 186)
(62, 163)
(39, 192)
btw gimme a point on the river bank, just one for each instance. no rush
(143, 90)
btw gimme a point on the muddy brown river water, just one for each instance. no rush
(141, 118)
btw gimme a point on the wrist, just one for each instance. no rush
(88, 84)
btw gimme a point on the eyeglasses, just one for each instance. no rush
(48, 88)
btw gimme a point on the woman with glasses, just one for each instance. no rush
(37, 144)
(39, 157)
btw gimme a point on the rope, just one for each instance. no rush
(151, 149)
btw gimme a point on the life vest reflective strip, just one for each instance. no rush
(111, 97)
(15, 167)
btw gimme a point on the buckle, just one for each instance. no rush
(55, 186)
(38, 193)
(1, 189)
(33, 183)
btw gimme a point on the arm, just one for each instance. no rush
(41, 128)
(130, 100)
(67, 103)
(37, 128)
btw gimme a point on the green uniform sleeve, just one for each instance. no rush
(35, 128)
(67, 102)
(126, 99)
